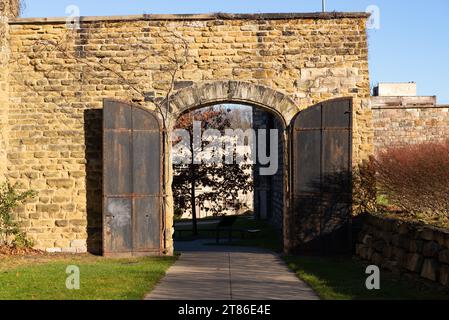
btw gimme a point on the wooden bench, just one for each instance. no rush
(225, 224)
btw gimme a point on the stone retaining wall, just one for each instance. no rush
(399, 121)
(411, 249)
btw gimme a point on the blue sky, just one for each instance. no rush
(412, 43)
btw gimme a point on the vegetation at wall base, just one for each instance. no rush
(11, 236)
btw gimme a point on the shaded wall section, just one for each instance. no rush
(269, 190)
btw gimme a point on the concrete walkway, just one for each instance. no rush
(229, 273)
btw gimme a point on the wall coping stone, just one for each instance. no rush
(205, 16)
(419, 102)
(414, 224)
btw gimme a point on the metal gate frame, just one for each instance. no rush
(133, 195)
(316, 198)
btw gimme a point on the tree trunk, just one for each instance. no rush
(193, 204)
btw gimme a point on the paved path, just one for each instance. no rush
(230, 273)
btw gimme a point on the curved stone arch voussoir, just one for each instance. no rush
(208, 93)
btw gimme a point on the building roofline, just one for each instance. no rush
(206, 16)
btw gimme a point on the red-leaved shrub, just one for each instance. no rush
(415, 178)
(364, 188)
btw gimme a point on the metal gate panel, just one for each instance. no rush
(118, 224)
(307, 151)
(146, 162)
(321, 170)
(147, 224)
(146, 181)
(118, 148)
(131, 180)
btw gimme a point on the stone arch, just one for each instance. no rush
(204, 94)
(209, 93)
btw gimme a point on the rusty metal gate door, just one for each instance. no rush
(321, 186)
(132, 171)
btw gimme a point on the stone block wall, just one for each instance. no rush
(4, 92)
(8, 9)
(269, 190)
(58, 78)
(409, 249)
(408, 120)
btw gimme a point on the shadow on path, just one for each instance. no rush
(209, 272)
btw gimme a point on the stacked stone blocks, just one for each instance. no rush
(409, 249)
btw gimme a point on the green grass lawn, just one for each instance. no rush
(343, 278)
(44, 277)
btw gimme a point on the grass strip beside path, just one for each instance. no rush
(44, 278)
(343, 278)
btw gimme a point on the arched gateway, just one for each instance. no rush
(54, 82)
(317, 170)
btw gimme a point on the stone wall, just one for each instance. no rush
(58, 78)
(4, 93)
(8, 9)
(410, 249)
(408, 120)
(269, 190)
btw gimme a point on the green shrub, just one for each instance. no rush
(11, 198)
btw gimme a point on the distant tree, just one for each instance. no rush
(222, 182)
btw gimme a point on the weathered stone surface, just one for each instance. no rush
(416, 246)
(430, 269)
(81, 243)
(386, 236)
(427, 234)
(431, 249)
(443, 256)
(398, 254)
(390, 265)
(444, 275)
(414, 262)
(367, 240)
(387, 251)
(379, 245)
(403, 229)
(377, 259)
(420, 259)
(60, 183)
(61, 223)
